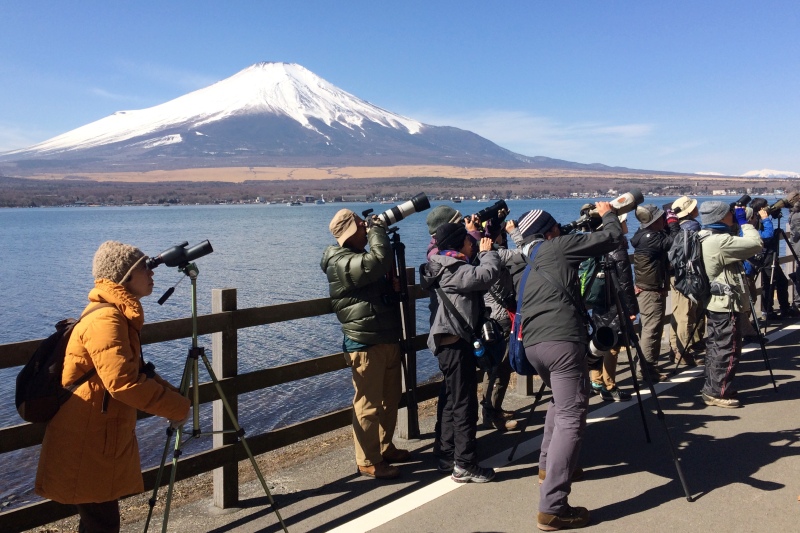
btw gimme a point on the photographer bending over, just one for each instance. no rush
(363, 299)
(723, 253)
(464, 284)
(556, 343)
(90, 456)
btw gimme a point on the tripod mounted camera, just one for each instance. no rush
(392, 216)
(179, 256)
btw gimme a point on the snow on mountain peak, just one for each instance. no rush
(263, 88)
(768, 173)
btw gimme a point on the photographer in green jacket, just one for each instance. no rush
(365, 303)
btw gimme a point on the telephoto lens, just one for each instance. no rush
(399, 212)
(494, 212)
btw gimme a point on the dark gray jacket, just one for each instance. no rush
(464, 285)
(547, 314)
(360, 294)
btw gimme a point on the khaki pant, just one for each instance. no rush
(652, 308)
(378, 387)
(607, 375)
(684, 318)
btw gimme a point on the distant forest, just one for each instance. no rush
(21, 192)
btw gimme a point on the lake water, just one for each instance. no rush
(269, 253)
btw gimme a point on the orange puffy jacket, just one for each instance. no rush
(91, 456)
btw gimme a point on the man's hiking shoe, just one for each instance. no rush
(445, 465)
(500, 423)
(577, 475)
(473, 473)
(571, 518)
(382, 470)
(615, 395)
(597, 388)
(729, 403)
(396, 455)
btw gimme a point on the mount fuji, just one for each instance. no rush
(269, 114)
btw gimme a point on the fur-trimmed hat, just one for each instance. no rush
(343, 225)
(535, 222)
(442, 214)
(115, 261)
(713, 211)
(450, 236)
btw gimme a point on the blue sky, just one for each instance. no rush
(691, 86)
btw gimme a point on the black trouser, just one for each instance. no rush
(779, 283)
(723, 351)
(99, 517)
(459, 417)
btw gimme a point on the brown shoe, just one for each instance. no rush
(382, 470)
(396, 455)
(577, 475)
(500, 423)
(570, 518)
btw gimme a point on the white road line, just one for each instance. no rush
(499, 461)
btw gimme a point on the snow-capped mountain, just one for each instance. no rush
(276, 114)
(767, 173)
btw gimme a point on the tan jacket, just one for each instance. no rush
(723, 255)
(89, 456)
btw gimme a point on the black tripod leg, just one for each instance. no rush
(760, 338)
(637, 390)
(530, 418)
(624, 316)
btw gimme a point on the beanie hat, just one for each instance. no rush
(115, 261)
(442, 214)
(450, 236)
(647, 214)
(684, 206)
(535, 222)
(343, 225)
(713, 211)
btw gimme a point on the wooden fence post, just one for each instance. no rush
(225, 363)
(408, 420)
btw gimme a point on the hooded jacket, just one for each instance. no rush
(464, 285)
(723, 255)
(91, 456)
(360, 293)
(547, 314)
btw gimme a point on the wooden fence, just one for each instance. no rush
(223, 324)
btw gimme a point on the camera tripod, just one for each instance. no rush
(761, 336)
(769, 287)
(190, 383)
(408, 362)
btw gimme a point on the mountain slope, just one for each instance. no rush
(269, 114)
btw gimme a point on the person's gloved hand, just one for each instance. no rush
(740, 215)
(671, 216)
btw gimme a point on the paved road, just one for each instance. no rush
(741, 468)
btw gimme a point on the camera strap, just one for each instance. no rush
(459, 317)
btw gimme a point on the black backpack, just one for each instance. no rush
(39, 394)
(686, 258)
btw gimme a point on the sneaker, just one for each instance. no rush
(570, 518)
(577, 475)
(771, 315)
(729, 403)
(789, 313)
(597, 388)
(445, 465)
(615, 395)
(474, 473)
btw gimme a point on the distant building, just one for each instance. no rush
(719, 192)
(355, 198)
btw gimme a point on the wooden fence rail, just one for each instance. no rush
(223, 324)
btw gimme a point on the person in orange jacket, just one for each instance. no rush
(90, 455)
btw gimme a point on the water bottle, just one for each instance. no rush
(479, 349)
